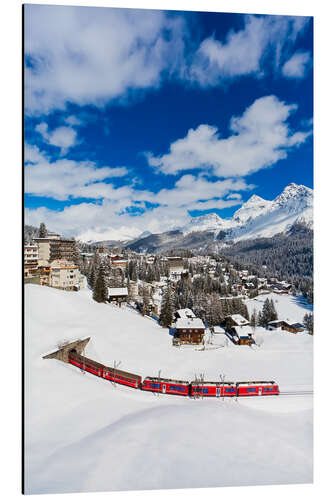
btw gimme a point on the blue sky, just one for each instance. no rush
(137, 120)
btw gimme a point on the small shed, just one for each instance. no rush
(117, 294)
(244, 335)
(218, 330)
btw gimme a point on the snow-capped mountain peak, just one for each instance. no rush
(295, 197)
(207, 222)
(254, 207)
(267, 218)
(259, 217)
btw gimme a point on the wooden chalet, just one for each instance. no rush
(235, 320)
(243, 335)
(190, 330)
(118, 295)
(286, 325)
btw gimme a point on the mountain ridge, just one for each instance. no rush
(256, 218)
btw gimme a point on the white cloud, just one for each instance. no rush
(73, 121)
(91, 55)
(65, 178)
(32, 154)
(62, 137)
(101, 54)
(243, 52)
(112, 213)
(297, 65)
(259, 138)
(198, 193)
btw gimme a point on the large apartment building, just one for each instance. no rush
(65, 275)
(30, 260)
(53, 248)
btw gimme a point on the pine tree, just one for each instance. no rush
(308, 322)
(93, 271)
(273, 312)
(77, 259)
(254, 319)
(42, 231)
(100, 289)
(268, 313)
(146, 300)
(166, 315)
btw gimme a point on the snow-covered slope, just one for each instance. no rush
(84, 434)
(261, 218)
(267, 218)
(254, 207)
(208, 222)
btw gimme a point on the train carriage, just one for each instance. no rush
(115, 375)
(257, 388)
(86, 364)
(213, 389)
(166, 386)
(121, 377)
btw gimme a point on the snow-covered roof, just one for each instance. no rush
(185, 313)
(114, 292)
(189, 323)
(218, 329)
(256, 382)
(243, 331)
(239, 319)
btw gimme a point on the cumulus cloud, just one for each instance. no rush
(73, 121)
(103, 54)
(92, 55)
(244, 52)
(259, 138)
(297, 65)
(199, 193)
(108, 220)
(63, 179)
(114, 209)
(62, 137)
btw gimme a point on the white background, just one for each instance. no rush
(10, 276)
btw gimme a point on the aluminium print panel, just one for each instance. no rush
(168, 261)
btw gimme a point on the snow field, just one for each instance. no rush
(84, 434)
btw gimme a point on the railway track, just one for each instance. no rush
(296, 393)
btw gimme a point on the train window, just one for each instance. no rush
(176, 388)
(251, 389)
(202, 390)
(269, 389)
(232, 389)
(155, 386)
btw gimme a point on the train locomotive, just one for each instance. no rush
(174, 386)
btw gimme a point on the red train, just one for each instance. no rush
(173, 386)
(115, 375)
(166, 386)
(257, 388)
(213, 389)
